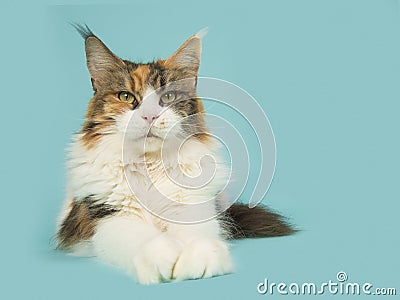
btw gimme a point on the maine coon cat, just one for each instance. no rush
(136, 112)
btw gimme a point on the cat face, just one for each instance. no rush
(150, 104)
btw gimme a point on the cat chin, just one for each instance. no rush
(152, 144)
(144, 144)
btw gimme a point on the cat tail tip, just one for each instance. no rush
(256, 222)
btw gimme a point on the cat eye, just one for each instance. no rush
(127, 97)
(168, 97)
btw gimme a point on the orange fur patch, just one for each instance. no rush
(100, 118)
(140, 76)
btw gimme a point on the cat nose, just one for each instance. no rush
(149, 118)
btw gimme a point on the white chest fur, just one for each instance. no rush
(127, 181)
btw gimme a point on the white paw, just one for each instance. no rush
(155, 262)
(203, 258)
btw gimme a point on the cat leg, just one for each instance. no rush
(204, 253)
(141, 249)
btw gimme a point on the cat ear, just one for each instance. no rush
(101, 62)
(188, 55)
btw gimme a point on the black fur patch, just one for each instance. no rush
(258, 222)
(80, 223)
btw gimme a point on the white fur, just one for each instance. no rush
(202, 33)
(147, 246)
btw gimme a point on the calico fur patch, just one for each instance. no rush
(81, 221)
(100, 166)
(111, 75)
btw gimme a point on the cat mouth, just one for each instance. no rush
(151, 135)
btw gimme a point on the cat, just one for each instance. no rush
(103, 217)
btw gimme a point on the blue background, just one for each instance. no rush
(325, 72)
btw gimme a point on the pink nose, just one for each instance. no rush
(149, 119)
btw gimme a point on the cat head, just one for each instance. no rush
(150, 104)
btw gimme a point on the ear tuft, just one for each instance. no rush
(202, 33)
(103, 65)
(83, 30)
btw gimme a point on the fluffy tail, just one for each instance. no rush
(257, 222)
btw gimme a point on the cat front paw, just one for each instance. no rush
(156, 260)
(203, 258)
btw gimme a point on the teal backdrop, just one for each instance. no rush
(326, 74)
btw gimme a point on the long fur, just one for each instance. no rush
(257, 222)
(120, 162)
